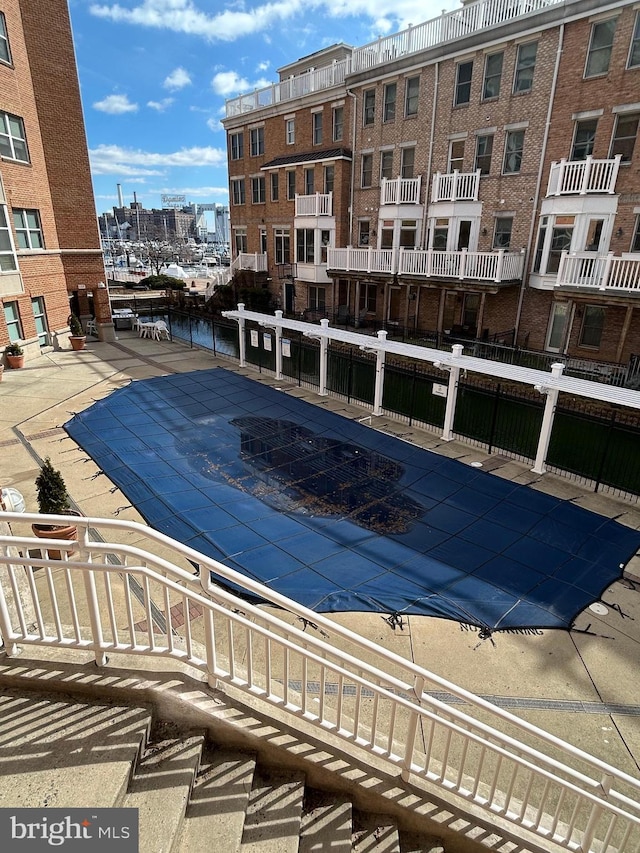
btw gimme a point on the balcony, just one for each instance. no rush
(400, 191)
(495, 267)
(250, 261)
(455, 186)
(604, 273)
(582, 177)
(318, 204)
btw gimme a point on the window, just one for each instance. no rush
(502, 232)
(281, 238)
(389, 109)
(367, 170)
(368, 294)
(407, 162)
(561, 235)
(411, 96)
(484, 150)
(592, 326)
(317, 128)
(28, 230)
(13, 143)
(237, 191)
(40, 318)
(440, 235)
(5, 53)
(492, 75)
(624, 137)
(600, 47)
(317, 298)
(386, 164)
(240, 239)
(309, 182)
(635, 245)
(291, 185)
(634, 52)
(456, 155)
(542, 235)
(338, 123)
(290, 130)
(369, 106)
(12, 319)
(257, 190)
(363, 232)
(304, 245)
(525, 66)
(8, 260)
(275, 186)
(236, 145)
(583, 139)
(464, 72)
(329, 172)
(257, 141)
(386, 234)
(513, 152)
(408, 232)
(325, 240)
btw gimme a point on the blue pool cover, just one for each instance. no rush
(341, 517)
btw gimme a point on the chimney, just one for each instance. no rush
(120, 200)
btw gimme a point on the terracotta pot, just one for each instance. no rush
(15, 361)
(45, 531)
(78, 342)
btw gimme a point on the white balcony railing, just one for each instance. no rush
(479, 266)
(455, 186)
(600, 272)
(400, 191)
(111, 597)
(250, 261)
(445, 28)
(580, 177)
(318, 204)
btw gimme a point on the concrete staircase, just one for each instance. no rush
(192, 795)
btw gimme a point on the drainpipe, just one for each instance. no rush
(427, 191)
(353, 163)
(536, 198)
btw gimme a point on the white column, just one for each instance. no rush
(452, 394)
(278, 330)
(242, 345)
(547, 419)
(324, 344)
(379, 389)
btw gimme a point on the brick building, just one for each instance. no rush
(475, 175)
(50, 254)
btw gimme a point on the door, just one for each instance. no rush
(558, 326)
(289, 298)
(464, 234)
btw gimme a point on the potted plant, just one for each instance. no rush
(77, 337)
(15, 355)
(53, 499)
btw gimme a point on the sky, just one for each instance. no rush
(155, 74)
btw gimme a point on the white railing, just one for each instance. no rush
(400, 191)
(318, 204)
(111, 597)
(216, 279)
(447, 27)
(599, 272)
(455, 186)
(480, 266)
(250, 261)
(580, 177)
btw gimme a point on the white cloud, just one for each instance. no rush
(214, 124)
(115, 105)
(194, 192)
(262, 66)
(227, 83)
(114, 159)
(178, 79)
(160, 106)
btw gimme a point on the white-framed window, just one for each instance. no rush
(338, 124)
(369, 106)
(305, 245)
(13, 142)
(492, 75)
(325, 242)
(240, 239)
(635, 243)
(411, 96)
(484, 150)
(624, 136)
(275, 186)
(364, 232)
(557, 329)
(407, 161)
(281, 237)
(237, 191)
(236, 145)
(386, 164)
(329, 177)
(256, 135)
(634, 50)
(258, 190)
(27, 228)
(5, 52)
(502, 232)
(263, 241)
(309, 181)
(317, 128)
(464, 73)
(290, 130)
(366, 170)
(600, 47)
(12, 319)
(40, 319)
(592, 326)
(513, 150)
(525, 67)
(584, 137)
(456, 155)
(386, 233)
(8, 259)
(408, 233)
(389, 106)
(554, 237)
(317, 298)
(368, 297)
(440, 234)
(291, 184)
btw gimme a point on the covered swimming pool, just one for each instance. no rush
(341, 517)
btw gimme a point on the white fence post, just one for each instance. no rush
(379, 388)
(324, 347)
(278, 330)
(452, 393)
(547, 419)
(242, 344)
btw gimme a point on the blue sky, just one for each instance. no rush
(155, 74)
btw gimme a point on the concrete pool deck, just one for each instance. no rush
(582, 686)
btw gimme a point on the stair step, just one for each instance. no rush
(60, 751)
(161, 786)
(374, 834)
(218, 802)
(326, 823)
(413, 843)
(274, 812)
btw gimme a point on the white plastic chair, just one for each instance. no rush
(160, 328)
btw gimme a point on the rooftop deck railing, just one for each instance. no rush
(110, 597)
